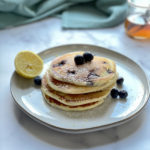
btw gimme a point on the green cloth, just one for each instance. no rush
(74, 13)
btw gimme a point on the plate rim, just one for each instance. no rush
(90, 129)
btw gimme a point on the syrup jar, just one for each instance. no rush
(137, 23)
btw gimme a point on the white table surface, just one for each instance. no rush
(19, 132)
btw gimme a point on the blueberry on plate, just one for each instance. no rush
(79, 60)
(123, 94)
(114, 93)
(37, 80)
(120, 81)
(88, 56)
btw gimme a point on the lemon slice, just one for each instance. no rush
(28, 64)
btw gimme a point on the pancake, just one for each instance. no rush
(73, 99)
(95, 73)
(59, 105)
(74, 89)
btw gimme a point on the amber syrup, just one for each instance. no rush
(137, 26)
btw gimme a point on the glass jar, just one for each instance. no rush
(137, 23)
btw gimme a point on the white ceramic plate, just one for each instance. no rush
(112, 113)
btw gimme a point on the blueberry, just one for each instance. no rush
(71, 71)
(79, 60)
(109, 71)
(114, 93)
(123, 94)
(61, 63)
(37, 80)
(88, 56)
(120, 81)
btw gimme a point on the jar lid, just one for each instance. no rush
(140, 3)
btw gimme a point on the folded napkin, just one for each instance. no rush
(74, 13)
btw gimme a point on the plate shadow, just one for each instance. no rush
(77, 141)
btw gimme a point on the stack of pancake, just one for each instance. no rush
(72, 87)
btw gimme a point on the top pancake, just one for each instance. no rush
(95, 73)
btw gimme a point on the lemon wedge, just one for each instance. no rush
(28, 64)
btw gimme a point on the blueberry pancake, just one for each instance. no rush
(78, 81)
(62, 106)
(73, 99)
(76, 69)
(74, 89)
